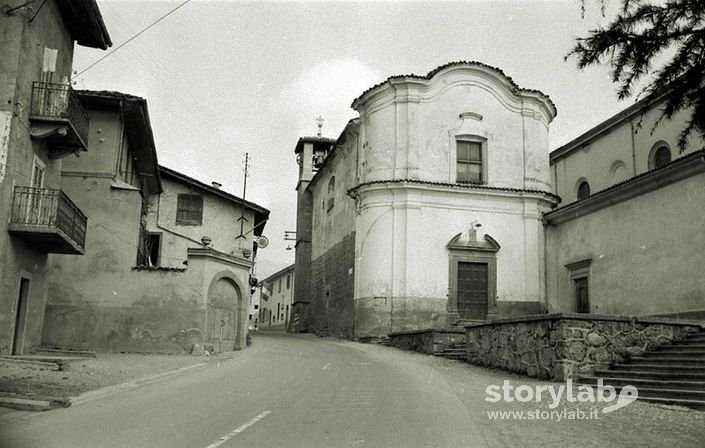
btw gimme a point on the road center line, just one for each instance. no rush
(326, 367)
(237, 431)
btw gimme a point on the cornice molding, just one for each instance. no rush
(675, 171)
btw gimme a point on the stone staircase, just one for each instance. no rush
(458, 352)
(379, 340)
(672, 373)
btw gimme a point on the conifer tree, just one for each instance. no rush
(659, 42)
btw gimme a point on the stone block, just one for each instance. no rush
(595, 339)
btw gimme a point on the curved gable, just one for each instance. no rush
(423, 88)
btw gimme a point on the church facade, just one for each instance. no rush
(427, 210)
(441, 204)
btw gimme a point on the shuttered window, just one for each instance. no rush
(189, 210)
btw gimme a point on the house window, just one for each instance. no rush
(469, 166)
(288, 281)
(659, 155)
(331, 193)
(189, 210)
(583, 190)
(662, 156)
(279, 287)
(153, 248)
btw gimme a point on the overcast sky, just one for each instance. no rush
(222, 78)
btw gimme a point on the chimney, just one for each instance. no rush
(216, 185)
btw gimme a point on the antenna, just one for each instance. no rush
(242, 218)
(320, 121)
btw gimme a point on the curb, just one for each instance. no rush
(24, 404)
(129, 385)
(36, 406)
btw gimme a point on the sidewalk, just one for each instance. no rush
(35, 386)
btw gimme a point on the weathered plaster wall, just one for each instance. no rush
(155, 314)
(207, 267)
(646, 253)
(105, 138)
(558, 347)
(280, 298)
(403, 262)
(408, 130)
(628, 144)
(22, 46)
(220, 223)
(333, 242)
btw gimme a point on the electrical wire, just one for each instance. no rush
(133, 37)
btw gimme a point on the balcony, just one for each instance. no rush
(48, 221)
(58, 117)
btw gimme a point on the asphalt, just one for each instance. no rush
(303, 391)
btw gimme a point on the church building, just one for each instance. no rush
(427, 211)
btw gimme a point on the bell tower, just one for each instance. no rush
(310, 154)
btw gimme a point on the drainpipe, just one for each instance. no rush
(631, 124)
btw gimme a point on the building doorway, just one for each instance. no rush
(582, 299)
(222, 315)
(21, 318)
(473, 289)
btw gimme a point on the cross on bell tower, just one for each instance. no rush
(320, 121)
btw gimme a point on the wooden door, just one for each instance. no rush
(582, 299)
(221, 322)
(472, 290)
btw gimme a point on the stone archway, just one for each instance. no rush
(224, 328)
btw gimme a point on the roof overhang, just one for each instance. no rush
(261, 213)
(85, 23)
(137, 128)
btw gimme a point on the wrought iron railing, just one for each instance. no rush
(43, 207)
(53, 101)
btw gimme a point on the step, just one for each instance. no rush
(700, 337)
(678, 350)
(657, 375)
(672, 393)
(693, 404)
(686, 343)
(640, 383)
(451, 356)
(659, 368)
(665, 359)
(55, 359)
(64, 352)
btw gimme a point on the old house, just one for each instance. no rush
(627, 239)
(163, 268)
(426, 211)
(42, 125)
(276, 298)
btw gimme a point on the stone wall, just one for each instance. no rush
(562, 346)
(332, 287)
(426, 341)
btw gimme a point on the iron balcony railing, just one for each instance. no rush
(45, 208)
(58, 101)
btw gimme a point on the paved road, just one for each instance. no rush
(302, 391)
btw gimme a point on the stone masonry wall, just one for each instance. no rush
(426, 341)
(332, 288)
(562, 346)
